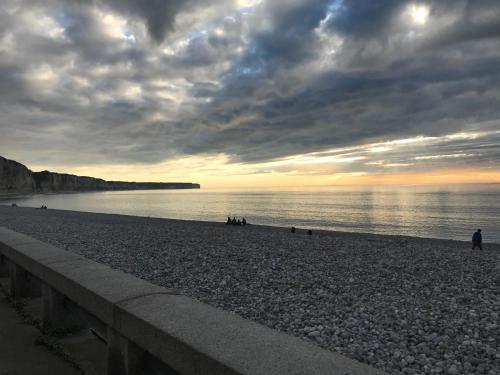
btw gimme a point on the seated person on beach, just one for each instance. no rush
(238, 222)
(228, 220)
(234, 221)
(477, 240)
(243, 221)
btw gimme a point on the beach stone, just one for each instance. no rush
(410, 359)
(314, 334)
(364, 296)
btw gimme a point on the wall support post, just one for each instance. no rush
(124, 357)
(21, 283)
(56, 314)
(4, 267)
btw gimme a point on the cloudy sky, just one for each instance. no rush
(253, 92)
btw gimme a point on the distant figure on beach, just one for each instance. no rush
(238, 222)
(14, 205)
(310, 232)
(243, 221)
(293, 230)
(228, 220)
(477, 240)
(234, 221)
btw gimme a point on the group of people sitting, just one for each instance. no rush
(309, 232)
(233, 221)
(43, 207)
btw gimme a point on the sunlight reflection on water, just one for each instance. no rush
(442, 212)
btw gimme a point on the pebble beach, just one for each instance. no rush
(402, 304)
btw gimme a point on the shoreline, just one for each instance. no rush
(4, 194)
(299, 229)
(406, 305)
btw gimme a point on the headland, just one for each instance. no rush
(16, 178)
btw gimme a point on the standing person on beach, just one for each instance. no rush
(477, 240)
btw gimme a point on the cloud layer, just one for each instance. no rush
(113, 81)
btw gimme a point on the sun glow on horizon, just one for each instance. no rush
(375, 163)
(412, 160)
(216, 173)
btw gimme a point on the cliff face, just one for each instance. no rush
(16, 178)
(48, 182)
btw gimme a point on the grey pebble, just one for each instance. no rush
(394, 302)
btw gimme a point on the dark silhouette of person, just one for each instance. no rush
(292, 230)
(310, 232)
(228, 220)
(243, 221)
(238, 222)
(477, 240)
(234, 221)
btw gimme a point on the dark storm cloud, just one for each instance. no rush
(207, 49)
(159, 15)
(430, 93)
(204, 89)
(269, 80)
(364, 18)
(290, 38)
(12, 87)
(470, 28)
(87, 38)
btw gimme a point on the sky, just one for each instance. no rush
(257, 93)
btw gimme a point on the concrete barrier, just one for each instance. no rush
(151, 329)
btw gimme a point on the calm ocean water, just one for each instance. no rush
(451, 212)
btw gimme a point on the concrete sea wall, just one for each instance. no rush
(151, 329)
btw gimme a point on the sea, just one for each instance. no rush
(448, 212)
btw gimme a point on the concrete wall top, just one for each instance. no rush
(93, 286)
(189, 336)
